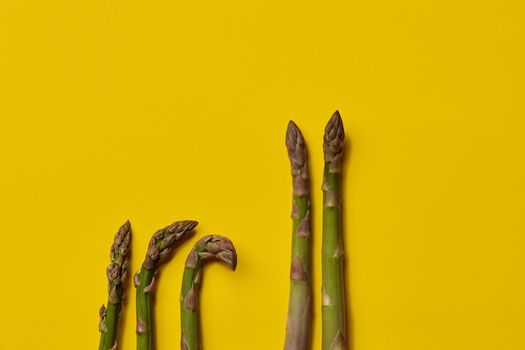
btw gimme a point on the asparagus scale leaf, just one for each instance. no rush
(299, 306)
(208, 247)
(333, 294)
(159, 248)
(116, 273)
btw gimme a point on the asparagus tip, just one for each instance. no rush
(163, 241)
(334, 136)
(218, 247)
(295, 144)
(182, 226)
(292, 127)
(117, 269)
(125, 229)
(298, 154)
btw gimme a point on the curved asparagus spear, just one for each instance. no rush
(116, 272)
(333, 294)
(208, 247)
(299, 306)
(160, 245)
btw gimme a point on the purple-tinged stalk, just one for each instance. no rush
(116, 273)
(299, 306)
(208, 247)
(160, 247)
(333, 291)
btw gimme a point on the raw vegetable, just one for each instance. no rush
(208, 247)
(299, 306)
(160, 246)
(116, 273)
(333, 294)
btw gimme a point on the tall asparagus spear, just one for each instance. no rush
(160, 245)
(208, 247)
(299, 306)
(116, 272)
(333, 294)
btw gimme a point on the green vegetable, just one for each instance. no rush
(116, 273)
(208, 247)
(333, 294)
(160, 246)
(299, 306)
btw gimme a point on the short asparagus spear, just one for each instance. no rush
(333, 294)
(160, 246)
(299, 306)
(208, 247)
(116, 272)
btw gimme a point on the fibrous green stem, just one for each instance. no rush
(211, 246)
(299, 307)
(190, 328)
(333, 294)
(116, 273)
(110, 316)
(144, 317)
(160, 246)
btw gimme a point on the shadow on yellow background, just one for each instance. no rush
(159, 111)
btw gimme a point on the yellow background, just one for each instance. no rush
(162, 110)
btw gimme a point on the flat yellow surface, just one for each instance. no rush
(162, 110)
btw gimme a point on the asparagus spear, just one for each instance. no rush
(208, 247)
(160, 245)
(116, 272)
(333, 295)
(299, 306)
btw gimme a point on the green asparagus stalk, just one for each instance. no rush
(208, 247)
(160, 246)
(333, 294)
(299, 305)
(116, 273)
